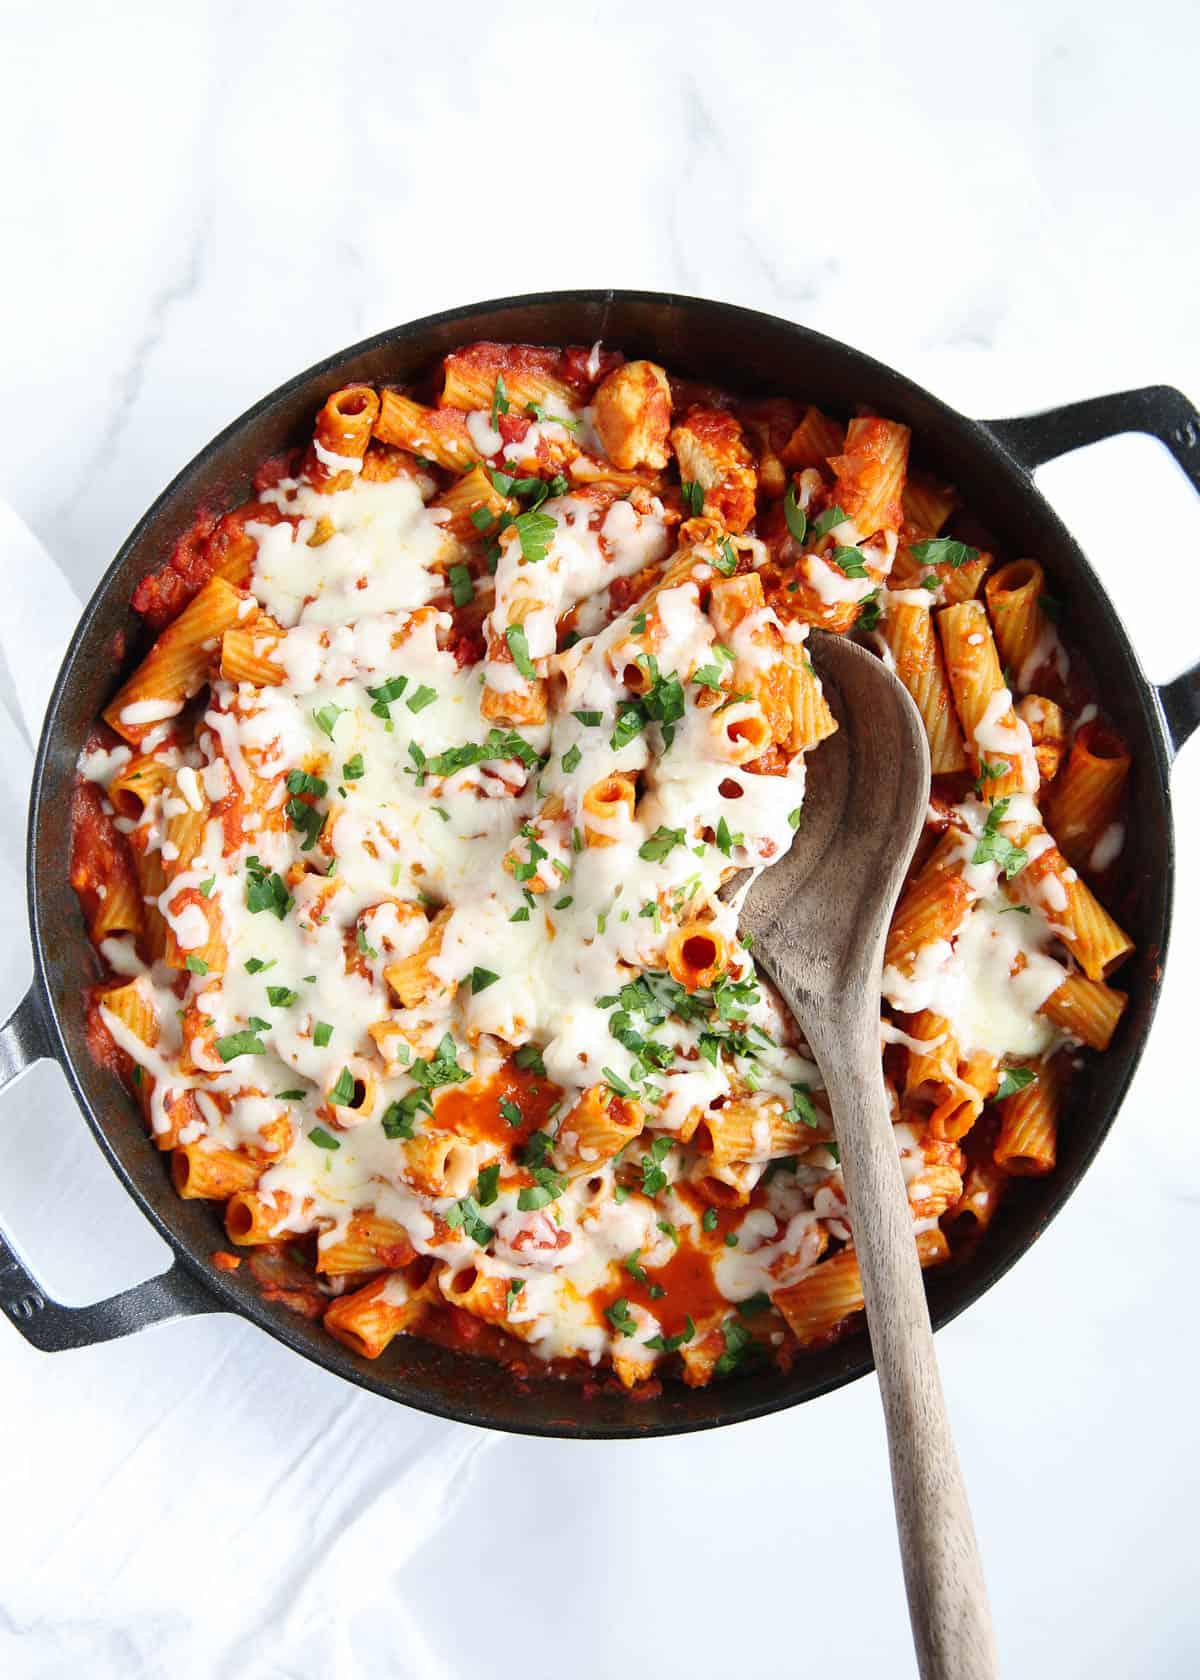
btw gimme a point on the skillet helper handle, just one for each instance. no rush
(1162, 412)
(947, 1596)
(25, 1039)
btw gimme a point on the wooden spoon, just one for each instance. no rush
(819, 919)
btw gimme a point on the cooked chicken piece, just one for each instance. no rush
(632, 413)
(1047, 728)
(712, 453)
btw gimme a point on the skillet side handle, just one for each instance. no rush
(1162, 412)
(50, 1326)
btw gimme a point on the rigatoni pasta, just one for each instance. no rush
(403, 846)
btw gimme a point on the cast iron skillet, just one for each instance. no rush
(747, 352)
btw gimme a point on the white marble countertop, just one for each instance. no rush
(200, 201)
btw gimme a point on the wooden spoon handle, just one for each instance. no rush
(947, 1598)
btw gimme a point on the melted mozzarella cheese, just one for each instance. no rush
(364, 801)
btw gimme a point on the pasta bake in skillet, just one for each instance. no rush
(402, 846)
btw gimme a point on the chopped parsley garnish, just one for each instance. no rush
(521, 915)
(510, 1295)
(994, 847)
(633, 1265)
(307, 820)
(441, 1068)
(246, 1043)
(668, 1230)
(498, 744)
(255, 965)
(754, 1304)
(535, 532)
(931, 581)
(266, 890)
(465, 1213)
(664, 700)
(589, 720)
(206, 887)
(848, 561)
(487, 1185)
(518, 646)
(343, 1090)
(480, 979)
(323, 1139)
(299, 781)
(511, 1112)
(631, 720)
(548, 1188)
(537, 1147)
(794, 818)
(353, 770)
(725, 559)
(616, 1084)
(826, 521)
(385, 693)
(709, 676)
(326, 716)
(462, 586)
(499, 399)
(709, 1221)
(797, 519)
(991, 772)
(731, 1239)
(525, 869)
(672, 1344)
(280, 996)
(802, 1106)
(571, 758)
(398, 1117)
(654, 1178)
(661, 842)
(529, 1056)
(1016, 910)
(727, 841)
(1013, 1080)
(869, 612)
(290, 1096)
(943, 551)
(564, 903)
(693, 497)
(424, 696)
(196, 965)
(620, 1317)
(737, 1340)
(322, 1033)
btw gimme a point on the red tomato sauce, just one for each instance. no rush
(475, 1114)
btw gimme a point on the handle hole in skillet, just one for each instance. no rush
(59, 1192)
(1137, 519)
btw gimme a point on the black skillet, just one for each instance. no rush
(990, 462)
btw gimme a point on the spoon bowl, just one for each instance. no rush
(822, 912)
